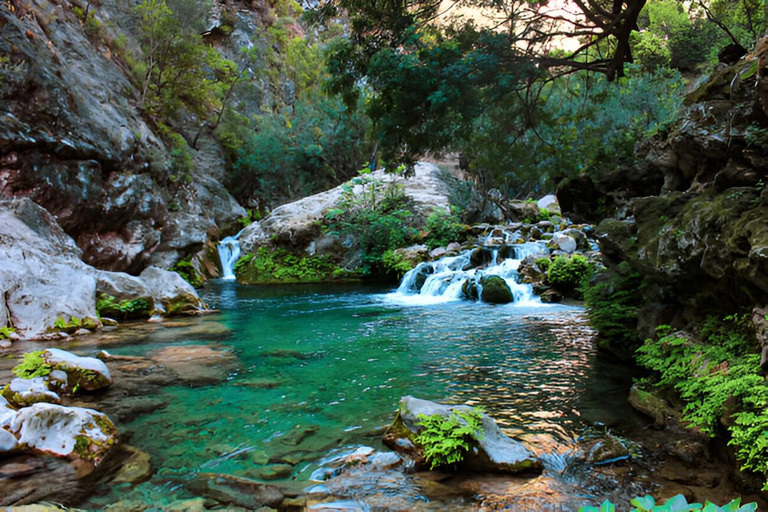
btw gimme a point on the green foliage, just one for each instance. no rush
(579, 124)
(674, 504)
(612, 301)
(187, 270)
(543, 263)
(443, 228)
(32, 365)
(375, 214)
(179, 68)
(282, 266)
(395, 264)
(297, 151)
(447, 439)
(5, 332)
(718, 378)
(108, 306)
(568, 274)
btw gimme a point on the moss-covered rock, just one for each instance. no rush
(69, 432)
(494, 290)
(82, 373)
(491, 450)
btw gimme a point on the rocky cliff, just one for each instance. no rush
(73, 140)
(692, 217)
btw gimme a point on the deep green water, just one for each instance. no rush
(533, 368)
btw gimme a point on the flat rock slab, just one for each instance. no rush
(232, 490)
(198, 365)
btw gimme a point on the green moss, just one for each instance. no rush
(189, 272)
(5, 332)
(282, 266)
(107, 305)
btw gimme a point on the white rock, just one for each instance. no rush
(7, 413)
(56, 356)
(33, 390)
(8, 441)
(55, 429)
(547, 202)
(564, 242)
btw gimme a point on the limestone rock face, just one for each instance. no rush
(72, 140)
(494, 451)
(42, 277)
(297, 225)
(70, 432)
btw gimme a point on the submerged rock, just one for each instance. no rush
(495, 290)
(70, 432)
(197, 365)
(493, 451)
(233, 490)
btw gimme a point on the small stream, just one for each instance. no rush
(334, 361)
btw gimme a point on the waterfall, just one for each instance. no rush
(445, 279)
(229, 252)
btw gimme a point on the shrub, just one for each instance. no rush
(718, 379)
(395, 264)
(446, 439)
(568, 274)
(32, 365)
(444, 227)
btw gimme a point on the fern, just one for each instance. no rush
(446, 439)
(32, 365)
(717, 378)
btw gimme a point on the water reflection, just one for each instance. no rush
(325, 366)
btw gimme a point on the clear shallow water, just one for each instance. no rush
(324, 366)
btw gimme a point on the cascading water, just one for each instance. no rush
(446, 279)
(229, 252)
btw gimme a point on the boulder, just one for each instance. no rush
(522, 211)
(550, 204)
(86, 373)
(69, 432)
(564, 243)
(494, 290)
(25, 392)
(492, 451)
(233, 490)
(297, 225)
(43, 280)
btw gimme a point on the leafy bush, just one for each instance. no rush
(446, 439)
(612, 301)
(376, 215)
(108, 306)
(718, 379)
(569, 274)
(674, 504)
(395, 264)
(443, 228)
(32, 365)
